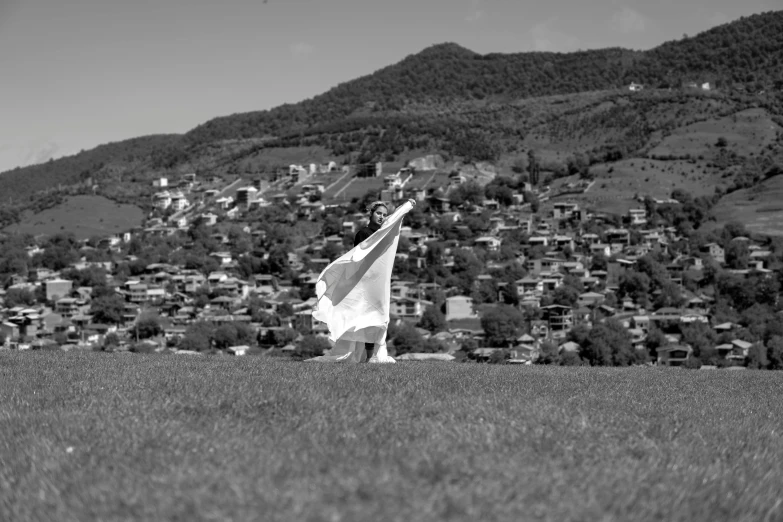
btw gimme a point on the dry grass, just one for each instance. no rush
(131, 437)
(759, 208)
(85, 216)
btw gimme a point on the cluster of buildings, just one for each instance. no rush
(560, 242)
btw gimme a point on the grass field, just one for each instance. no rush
(759, 208)
(132, 437)
(746, 132)
(85, 216)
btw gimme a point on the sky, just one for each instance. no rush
(78, 73)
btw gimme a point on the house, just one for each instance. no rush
(161, 200)
(136, 293)
(564, 210)
(491, 244)
(539, 329)
(238, 350)
(544, 264)
(67, 307)
(637, 216)
(715, 251)
(178, 201)
(590, 239)
(224, 258)
(349, 227)
(9, 330)
(590, 299)
(600, 249)
(620, 236)
(562, 242)
(209, 219)
(674, 354)
(535, 241)
(739, 350)
(408, 307)
(559, 318)
(635, 87)
(245, 196)
(529, 285)
(57, 288)
(440, 203)
(459, 307)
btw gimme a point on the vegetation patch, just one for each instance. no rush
(84, 216)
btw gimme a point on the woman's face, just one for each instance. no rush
(378, 215)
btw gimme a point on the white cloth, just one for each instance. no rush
(353, 295)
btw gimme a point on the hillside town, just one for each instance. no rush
(502, 272)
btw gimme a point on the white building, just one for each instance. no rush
(162, 200)
(178, 201)
(638, 216)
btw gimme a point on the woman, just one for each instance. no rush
(378, 212)
(353, 293)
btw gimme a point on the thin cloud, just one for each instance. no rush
(476, 11)
(627, 21)
(718, 18)
(475, 16)
(546, 38)
(301, 49)
(43, 154)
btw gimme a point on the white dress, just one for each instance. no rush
(354, 292)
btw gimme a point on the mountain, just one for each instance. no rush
(745, 52)
(448, 99)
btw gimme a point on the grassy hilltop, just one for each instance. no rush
(111, 436)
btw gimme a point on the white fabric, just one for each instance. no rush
(354, 292)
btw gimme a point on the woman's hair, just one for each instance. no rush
(375, 204)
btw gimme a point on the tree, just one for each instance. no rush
(407, 339)
(198, 337)
(757, 357)
(502, 324)
(609, 344)
(533, 167)
(19, 297)
(775, 353)
(148, 325)
(634, 284)
(550, 353)
(107, 309)
(565, 295)
(433, 319)
(312, 346)
(469, 193)
(225, 335)
(484, 292)
(737, 255)
(655, 339)
(499, 357)
(702, 339)
(111, 339)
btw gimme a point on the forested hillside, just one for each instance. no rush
(746, 54)
(453, 101)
